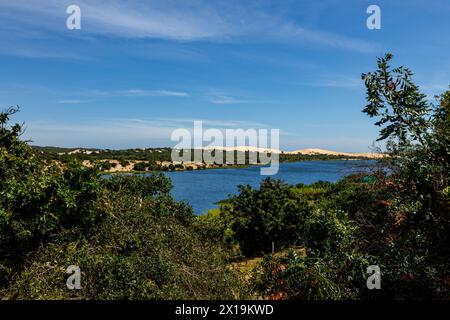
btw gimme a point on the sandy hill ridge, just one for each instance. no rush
(314, 151)
(310, 151)
(243, 149)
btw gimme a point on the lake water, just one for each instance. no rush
(202, 189)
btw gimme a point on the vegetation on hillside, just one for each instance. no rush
(159, 159)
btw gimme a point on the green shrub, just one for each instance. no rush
(126, 233)
(295, 275)
(39, 199)
(143, 250)
(105, 165)
(274, 212)
(124, 163)
(139, 186)
(140, 166)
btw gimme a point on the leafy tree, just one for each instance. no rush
(140, 166)
(419, 143)
(399, 220)
(105, 165)
(39, 199)
(397, 102)
(272, 213)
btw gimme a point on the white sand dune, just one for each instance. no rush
(309, 151)
(313, 151)
(244, 148)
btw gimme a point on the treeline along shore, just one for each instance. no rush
(159, 159)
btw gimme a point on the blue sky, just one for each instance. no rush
(137, 70)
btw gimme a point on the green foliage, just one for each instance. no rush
(328, 264)
(419, 142)
(148, 159)
(124, 163)
(140, 166)
(105, 165)
(397, 101)
(398, 219)
(123, 156)
(215, 226)
(294, 275)
(129, 237)
(328, 232)
(151, 185)
(271, 213)
(40, 199)
(145, 250)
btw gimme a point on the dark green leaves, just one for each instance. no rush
(402, 111)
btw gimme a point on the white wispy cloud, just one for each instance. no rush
(294, 32)
(69, 101)
(152, 93)
(337, 81)
(95, 94)
(223, 99)
(176, 20)
(213, 123)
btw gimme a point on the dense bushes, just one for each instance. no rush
(147, 250)
(130, 239)
(39, 199)
(331, 248)
(296, 275)
(153, 185)
(398, 219)
(140, 166)
(271, 213)
(320, 256)
(417, 253)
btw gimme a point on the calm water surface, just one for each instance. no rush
(202, 189)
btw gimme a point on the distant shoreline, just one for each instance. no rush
(230, 166)
(159, 159)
